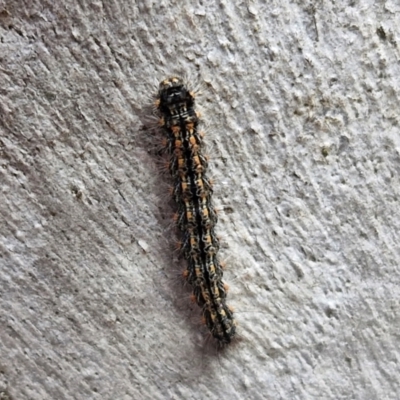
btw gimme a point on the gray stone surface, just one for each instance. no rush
(301, 101)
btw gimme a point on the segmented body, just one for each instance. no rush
(196, 216)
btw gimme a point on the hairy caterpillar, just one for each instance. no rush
(196, 217)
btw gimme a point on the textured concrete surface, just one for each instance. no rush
(301, 101)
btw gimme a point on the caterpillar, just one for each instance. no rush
(196, 217)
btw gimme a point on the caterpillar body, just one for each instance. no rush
(196, 217)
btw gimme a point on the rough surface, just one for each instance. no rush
(302, 105)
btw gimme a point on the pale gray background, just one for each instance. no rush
(301, 101)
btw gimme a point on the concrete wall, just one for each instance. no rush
(301, 100)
